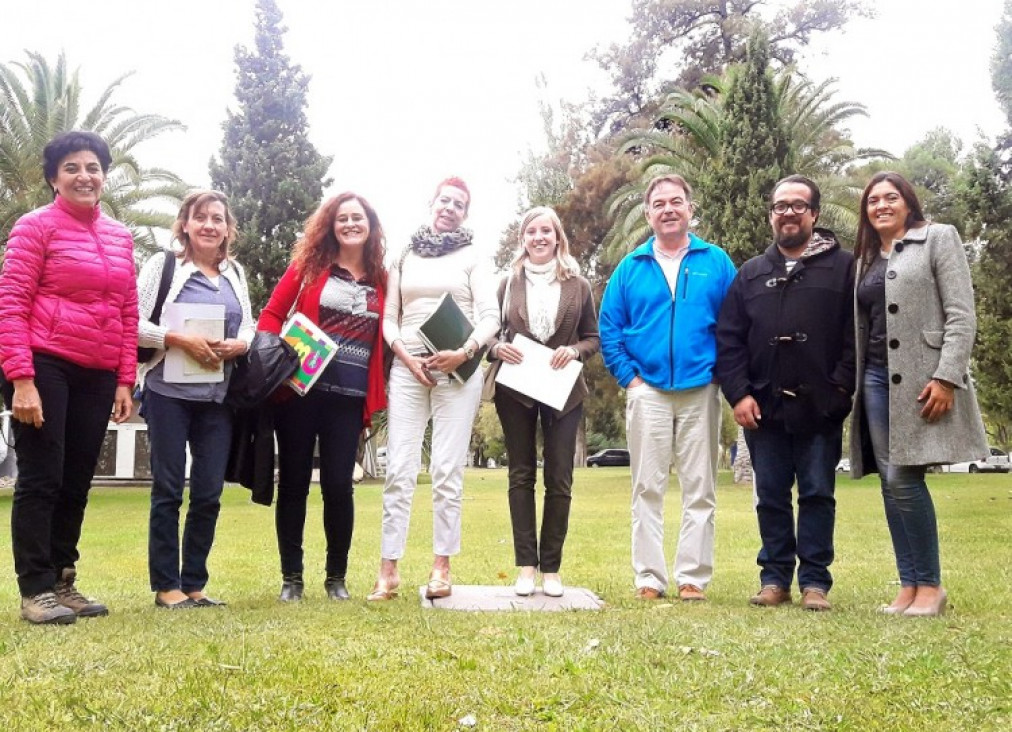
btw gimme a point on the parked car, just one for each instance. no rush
(609, 456)
(996, 462)
(843, 466)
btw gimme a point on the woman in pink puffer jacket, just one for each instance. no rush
(68, 350)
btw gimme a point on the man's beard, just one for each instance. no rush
(793, 241)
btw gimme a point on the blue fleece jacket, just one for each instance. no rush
(668, 341)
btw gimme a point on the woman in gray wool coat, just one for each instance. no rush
(915, 403)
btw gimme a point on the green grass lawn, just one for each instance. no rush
(634, 665)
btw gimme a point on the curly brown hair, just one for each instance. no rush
(317, 248)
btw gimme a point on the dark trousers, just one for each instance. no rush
(56, 463)
(778, 458)
(207, 428)
(519, 426)
(336, 420)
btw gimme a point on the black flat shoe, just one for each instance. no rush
(206, 601)
(291, 588)
(179, 605)
(336, 589)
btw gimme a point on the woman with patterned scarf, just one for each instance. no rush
(547, 300)
(441, 259)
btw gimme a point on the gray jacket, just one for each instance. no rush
(930, 325)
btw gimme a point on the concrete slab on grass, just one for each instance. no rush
(499, 597)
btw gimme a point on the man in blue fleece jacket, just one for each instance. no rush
(658, 322)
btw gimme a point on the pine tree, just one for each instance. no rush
(272, 173)
(734, 190)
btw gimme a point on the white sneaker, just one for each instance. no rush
(551, 585)
(524, 586)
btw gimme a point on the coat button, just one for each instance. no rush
(897, 378)
(891, 274)
(894, 343)
(893, 308)
(899, 247)
(965, 378)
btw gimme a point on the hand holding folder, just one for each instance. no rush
(448, 329)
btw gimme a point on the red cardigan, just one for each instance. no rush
(276, 311)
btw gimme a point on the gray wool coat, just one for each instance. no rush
(930, 325)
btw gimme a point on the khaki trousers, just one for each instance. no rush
(684, 425)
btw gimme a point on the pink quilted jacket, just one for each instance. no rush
(68, 289)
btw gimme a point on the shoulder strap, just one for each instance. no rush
(163, 285)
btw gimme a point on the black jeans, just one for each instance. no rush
(519, 426)
(56, 463)
(337, 421)
(207, 428)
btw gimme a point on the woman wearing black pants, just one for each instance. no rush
(68, 350)
(546, 300)
(337, 280)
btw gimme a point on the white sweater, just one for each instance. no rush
(414, 292)
(151, 335)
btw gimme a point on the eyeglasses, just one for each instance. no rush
(782, 207)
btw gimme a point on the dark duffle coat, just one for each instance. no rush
(787, 339)
(930, 326)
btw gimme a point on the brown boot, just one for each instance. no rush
(68, 596)
(771, 596)
(44, 609)
(814, 598)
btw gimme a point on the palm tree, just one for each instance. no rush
(38, 101)
(687, 137)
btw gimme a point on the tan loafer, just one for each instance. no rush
(771, 596)
(691, 593)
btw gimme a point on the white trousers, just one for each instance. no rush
(452, 407)
(685, 424)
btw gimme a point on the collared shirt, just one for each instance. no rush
(670, 264)
(199, 289)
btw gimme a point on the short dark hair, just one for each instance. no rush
(672, 178)
(74, 141)
(816, 201)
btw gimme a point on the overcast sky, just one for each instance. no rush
(405, 92)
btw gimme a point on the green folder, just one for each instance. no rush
(447, 329)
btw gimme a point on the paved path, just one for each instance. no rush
(498, 597)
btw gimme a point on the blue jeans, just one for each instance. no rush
(207, 427)
(909, 510)
(778, 457)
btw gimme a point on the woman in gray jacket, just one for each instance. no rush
(915, 404)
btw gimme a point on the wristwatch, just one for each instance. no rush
(468, 351)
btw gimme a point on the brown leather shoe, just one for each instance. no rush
(648, 593)
(771, 596)
(814, 598)
(691, 593)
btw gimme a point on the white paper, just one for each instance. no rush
(207, 321)
(535, 377)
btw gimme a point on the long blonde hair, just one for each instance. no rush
(566, 265)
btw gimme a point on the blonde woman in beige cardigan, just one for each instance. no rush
(545, 299)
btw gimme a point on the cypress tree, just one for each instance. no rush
(753, 151)
(273, 175)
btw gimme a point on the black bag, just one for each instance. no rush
(262, 369)
(146, 354)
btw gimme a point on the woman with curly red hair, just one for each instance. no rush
(337, 280)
